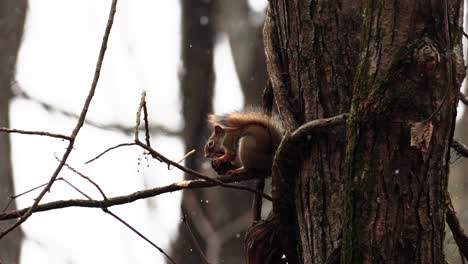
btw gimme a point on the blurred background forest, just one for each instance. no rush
(193, 57)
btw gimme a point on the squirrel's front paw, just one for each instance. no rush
(222, 167)
(216, 163)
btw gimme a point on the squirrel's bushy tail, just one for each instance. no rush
(251, 116)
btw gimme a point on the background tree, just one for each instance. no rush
(197, 85)
(390, 64)
(218, 228)
(12, 16)
(458, 185)
(244, 29)
(458, 182)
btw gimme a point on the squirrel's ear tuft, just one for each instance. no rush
(218, 129)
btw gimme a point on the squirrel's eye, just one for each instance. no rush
(210, 143)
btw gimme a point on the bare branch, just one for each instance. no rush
(309, 127)
(141, 235)
(78, 126)
(463, 98)
(284, 152)
(460, 148)
(107, 211)
(464, 34)
(86, 178)
(457, 230)
(190, 153)
(12, 197)
(138, 114)
(145, 118)
(191, 184)
(37, 133)
(109, 149)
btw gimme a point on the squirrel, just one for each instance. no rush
(242, 142)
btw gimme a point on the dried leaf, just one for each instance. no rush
(421, 133)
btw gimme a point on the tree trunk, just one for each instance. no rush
(218, 228)
(12, 17)
(389, 64)
(245, 38)
(197, 85)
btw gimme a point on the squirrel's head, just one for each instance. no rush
(213, 147)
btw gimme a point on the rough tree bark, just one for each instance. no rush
(12, 17)
(389, 64)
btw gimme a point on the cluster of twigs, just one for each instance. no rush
(202, 181)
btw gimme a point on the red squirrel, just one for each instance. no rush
(243, 142)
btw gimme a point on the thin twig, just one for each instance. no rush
(77, 189)
(12, 197)
(109, 149)
(145, 118)
(107, 211)
(138, 118)
(464, 34)
(460, 148)
(37, 133)
(86, 178)
(438, 107)
(190, 153)
(138, 114)
(194, 239)
(78, 126)
(142, 236)
(457, 230)
(125, 199)
(463, 98)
